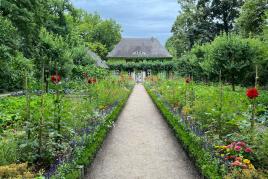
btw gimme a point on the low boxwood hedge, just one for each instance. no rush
(208, 166)
(94, 142)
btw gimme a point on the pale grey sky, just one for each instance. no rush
(138, 18)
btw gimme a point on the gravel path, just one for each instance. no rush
(141, 146)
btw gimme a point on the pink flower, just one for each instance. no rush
(237, 148)
(248, 150)
(242, 144)
(231, 145)
(236, 163)
(238, 159)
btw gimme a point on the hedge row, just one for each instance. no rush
(208, 166)
(94, 143)
(145, 65)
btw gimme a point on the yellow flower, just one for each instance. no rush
(246, 161)
(251, 167)
(222, 155)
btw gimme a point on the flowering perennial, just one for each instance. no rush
(236, 154)
(55, 79)
(92, 80)
(252, 93)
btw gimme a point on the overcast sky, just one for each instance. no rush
(138, 18)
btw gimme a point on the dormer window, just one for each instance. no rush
(139, 53)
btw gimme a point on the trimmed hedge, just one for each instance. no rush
(94, 142)
(208, 166)
(154, 65)
(99, 136)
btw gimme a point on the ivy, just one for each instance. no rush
(145, 65)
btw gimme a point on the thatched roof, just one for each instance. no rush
(98, 61)
(139, 48)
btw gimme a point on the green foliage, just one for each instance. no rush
(99, 35)
(80, 57)
(99, 49)
(107, 33)
(232, 56)
(235, 57)
(252, 18)
(153, 65)
(46, 128)
(91, 71)
(53, 34)
(56, 56)
(13, 65)
(8, 149)
(86, 155)
(209, 167)
(221, 114)
(224, 13)
(200, 21)
(261, 147)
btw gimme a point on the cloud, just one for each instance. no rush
(139, 18)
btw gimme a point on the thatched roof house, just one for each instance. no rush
(139, 48)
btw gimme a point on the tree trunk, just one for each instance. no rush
(233, 82)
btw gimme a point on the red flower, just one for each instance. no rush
(92, 80)
(232, 157)
(252, 93)
(55, 79)
(248, 150)
(242, 144)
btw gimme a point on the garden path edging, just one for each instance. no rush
(141, 145)
(207, 166)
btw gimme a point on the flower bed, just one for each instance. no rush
(51, 131)
(205, 125)
(93, 141)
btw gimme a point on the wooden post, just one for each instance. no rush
(257, 77)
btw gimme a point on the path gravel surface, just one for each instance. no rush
(141, 146)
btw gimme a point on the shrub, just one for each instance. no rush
(15, 171)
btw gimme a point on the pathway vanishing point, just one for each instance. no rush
(141, 146)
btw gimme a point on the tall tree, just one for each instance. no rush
(224, 13)
(200, 21)
(13, 65)
(100, 35)
(253, 18)
(183, 29)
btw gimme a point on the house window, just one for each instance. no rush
(149, 73)
(139, 53)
